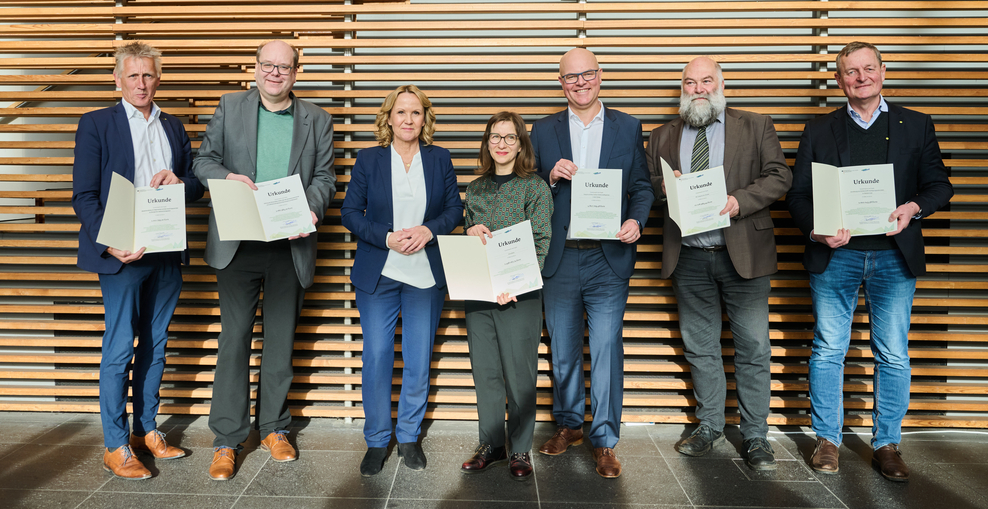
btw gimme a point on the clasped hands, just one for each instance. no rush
(409, 241)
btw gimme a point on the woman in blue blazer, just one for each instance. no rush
(402, 194)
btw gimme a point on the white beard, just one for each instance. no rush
(698, 114)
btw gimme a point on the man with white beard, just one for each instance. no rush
(733, 264)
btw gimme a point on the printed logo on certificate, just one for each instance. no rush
(857, 198)
(595, 206)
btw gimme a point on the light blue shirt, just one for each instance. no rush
(715, 139)
(882, 106)
(585, 140)
(152, 153)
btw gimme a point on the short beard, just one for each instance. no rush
(701, 114)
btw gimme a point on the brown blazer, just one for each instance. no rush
(757, 176)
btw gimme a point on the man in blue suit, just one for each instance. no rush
(589, 275)
(150, 148)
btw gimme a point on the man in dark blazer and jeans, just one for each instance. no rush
(866, 131)
(733, 264)
(589, 275)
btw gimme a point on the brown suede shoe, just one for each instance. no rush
(123, 464)
(608, 465)
(561, 440)
(824, 459)
(222, 467)
(154, 443)
(278, 446)
(888, 459)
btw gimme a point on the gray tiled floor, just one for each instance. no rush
(53, 460)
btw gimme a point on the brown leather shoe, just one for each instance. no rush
(824, 459)
(484, 456)
(561, 440)
(888, 459)
(278, 446)
(123, 464)
(608, 465)
(154, 443)
(222, 467)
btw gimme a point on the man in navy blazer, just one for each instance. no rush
(866, 131)
(150, 148)
(589, 275)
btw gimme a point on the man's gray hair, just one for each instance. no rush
(137, 49)
(855, 46)
(261, 46)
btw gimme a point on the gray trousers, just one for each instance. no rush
(504, 355)
(701, 280)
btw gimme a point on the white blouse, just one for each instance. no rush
(408, 201)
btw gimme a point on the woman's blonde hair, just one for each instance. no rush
(385, 134)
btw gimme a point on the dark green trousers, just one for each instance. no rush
(504, 355)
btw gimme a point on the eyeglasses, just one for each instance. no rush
(268, 67)
(509, 139)
(574, 77)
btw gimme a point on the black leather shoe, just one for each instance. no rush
(483, 457)
(520, 466)
(413, 455)
(759, 454)
(700, 442)
(373, 461)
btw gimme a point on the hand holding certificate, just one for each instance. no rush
(507, 264)
(277, 210)
(696, 199)
(143, 217)
(859, 199)
(595, 207)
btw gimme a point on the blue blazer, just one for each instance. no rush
(368, 212)
(621, 147)
(920, 177)
(103, 145)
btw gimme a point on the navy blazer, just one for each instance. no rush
(368, 211)
(103, 145)
(920, 177)
(621, 147)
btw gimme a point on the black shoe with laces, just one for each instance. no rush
(700, 442)
(759, 454)
(520, 465)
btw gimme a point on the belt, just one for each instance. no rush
(583, 244)
(711, 249)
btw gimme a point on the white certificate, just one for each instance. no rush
(507, 264)
(696, 199)
(595, 206)
(143, 217)
(857, 198)
(277, 210)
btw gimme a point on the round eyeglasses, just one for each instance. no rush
(509, 139)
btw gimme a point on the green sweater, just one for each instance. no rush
(517, 200)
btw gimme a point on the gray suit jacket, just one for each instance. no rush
(230, 146)
(757, 176)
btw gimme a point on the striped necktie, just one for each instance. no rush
(701, 151)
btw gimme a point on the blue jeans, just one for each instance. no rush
(137, 301)
(420, 309)
(701, 280)
(585, 282)
(888, 290)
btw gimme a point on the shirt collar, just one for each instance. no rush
(290, 110)
(721, 117)
(882, 106)
(573, 117)
(133, 112)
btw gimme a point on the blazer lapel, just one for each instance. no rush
(839, 127)
(249, 114)
(897, 132)
(300, 134)
(732, 128)
(126, 141)
(384, 177)
(562, 134)
(172, 139)
(429, 169)
(671, 146)
(607, 138)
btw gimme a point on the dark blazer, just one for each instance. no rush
(103, 145)
(621, 147)
(920, 177)
(756, 175)
(230, 146)
(368, 212)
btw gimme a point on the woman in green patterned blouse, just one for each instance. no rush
(504, 337)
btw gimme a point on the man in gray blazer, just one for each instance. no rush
(255, 136)
(731, 264)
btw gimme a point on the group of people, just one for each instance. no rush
(403, 193)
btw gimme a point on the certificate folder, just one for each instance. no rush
(277, 210)
(143, 217)
(857, 198)
(508, 263)
(696, 199)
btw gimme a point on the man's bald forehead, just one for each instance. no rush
(577, 55)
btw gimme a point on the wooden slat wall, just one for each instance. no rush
(474, 59)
